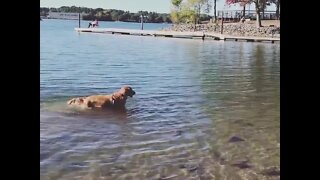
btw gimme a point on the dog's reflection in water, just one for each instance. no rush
(101, 113)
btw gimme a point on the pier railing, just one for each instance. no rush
(236, 15)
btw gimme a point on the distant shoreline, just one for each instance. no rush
(247, 30)
(107, 20)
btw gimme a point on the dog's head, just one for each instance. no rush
(127, 91)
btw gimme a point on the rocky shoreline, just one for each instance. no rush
(236, 29)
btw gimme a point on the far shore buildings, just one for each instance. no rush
(63, 15)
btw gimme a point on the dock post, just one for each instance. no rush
(141, 16)
(79, 19)
(222, 23)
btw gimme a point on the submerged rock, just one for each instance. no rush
(273, 171)
(190, 168)
(167, 177)
(178, 133)
(235, 139)
(242, 164)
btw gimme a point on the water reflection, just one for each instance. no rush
(248, 108)
(203, 109)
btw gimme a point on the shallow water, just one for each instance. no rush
(203, 109)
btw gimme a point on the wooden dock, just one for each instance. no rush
(174, 34)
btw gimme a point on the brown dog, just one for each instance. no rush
(117, 99)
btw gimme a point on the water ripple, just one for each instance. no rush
(192, 97)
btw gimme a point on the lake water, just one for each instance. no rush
(202, 109)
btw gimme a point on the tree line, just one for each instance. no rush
(182, 11)
(116, 15)
(110, 14)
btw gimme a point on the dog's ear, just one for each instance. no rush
(122, 91)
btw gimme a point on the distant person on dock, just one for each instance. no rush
(93, 23)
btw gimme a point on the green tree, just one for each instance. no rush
(200, 6)
(152, 16)
(159, 19)
(187, 15)
(176, 3)
(188, 11)
(124, 17)
(175, 16)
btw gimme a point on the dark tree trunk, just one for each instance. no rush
(278, 9)
(215, 10)
(258, 22)
(244, 11)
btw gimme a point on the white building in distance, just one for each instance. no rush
(62, 15)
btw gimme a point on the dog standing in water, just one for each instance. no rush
(116, 100)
